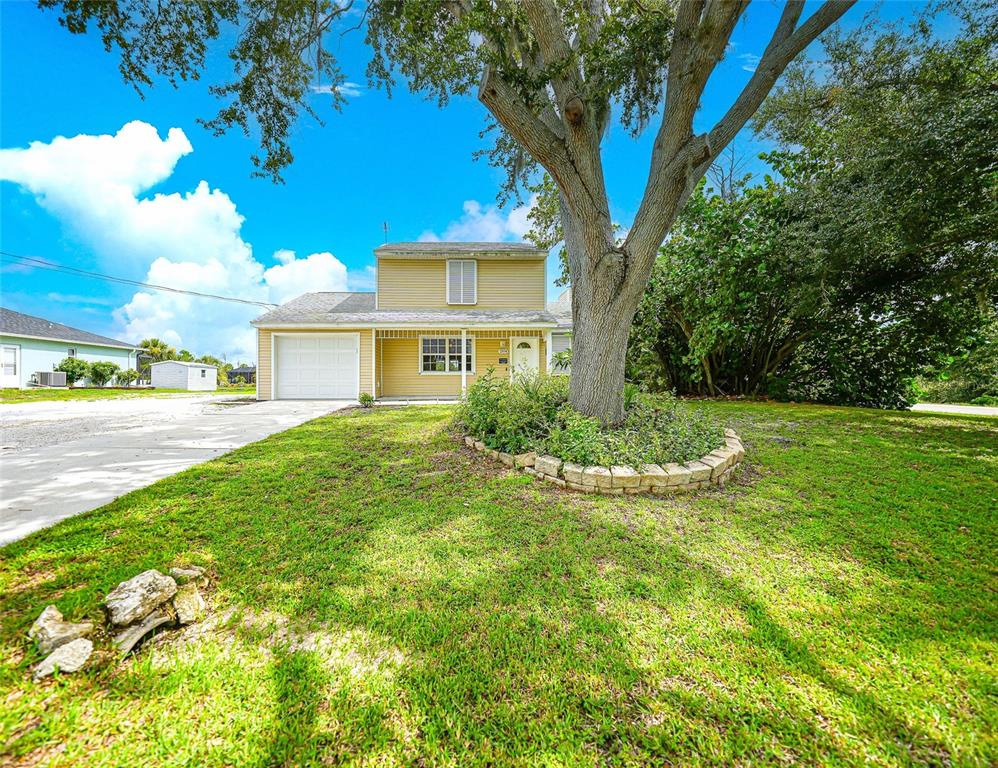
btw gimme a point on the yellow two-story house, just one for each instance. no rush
(441, 315)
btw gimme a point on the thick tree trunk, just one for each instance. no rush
(599, 350)
(602, 312)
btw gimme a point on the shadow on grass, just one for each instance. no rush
(298, 682)
(532, 622)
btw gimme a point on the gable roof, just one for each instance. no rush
(18, 324)
(441, 250)
(321, 309)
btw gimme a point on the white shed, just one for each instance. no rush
(176, 374)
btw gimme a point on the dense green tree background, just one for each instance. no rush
(869, 254)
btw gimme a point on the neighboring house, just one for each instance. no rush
(561, 339)
(248, 372)
(176, 374)
(442, 315)
(31, 345)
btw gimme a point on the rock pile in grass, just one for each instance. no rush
(133, 610)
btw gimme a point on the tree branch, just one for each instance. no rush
(782, 49)
(556, 52)
(537, 138)
(679, 158)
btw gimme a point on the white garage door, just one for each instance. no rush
(317, 367)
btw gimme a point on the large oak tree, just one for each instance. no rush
(552, 73)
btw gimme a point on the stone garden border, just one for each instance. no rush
(713, 469)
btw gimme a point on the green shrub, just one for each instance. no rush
(533, 413)
(576, 438)
(127, 376)
(985, 400)
(366, 399)
(74, 368)
(102, 372)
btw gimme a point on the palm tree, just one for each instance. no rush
(157, 350)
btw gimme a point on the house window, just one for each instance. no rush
(71, 352)
(204, 374)
(462, 281)
(443, 355)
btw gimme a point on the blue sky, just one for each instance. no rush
(93, 204)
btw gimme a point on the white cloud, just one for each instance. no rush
(73, 298)
(297, 276)
(94, 184)
(749, 61)
(486, 224)
(346, 88)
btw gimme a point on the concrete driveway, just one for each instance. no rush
(61, 458)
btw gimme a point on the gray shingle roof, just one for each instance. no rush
(426, 250)
(18, 324)
(358, 309)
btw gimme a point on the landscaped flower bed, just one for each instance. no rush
(661, 446)
(713, 469)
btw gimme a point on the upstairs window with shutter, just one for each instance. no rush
(462, 281)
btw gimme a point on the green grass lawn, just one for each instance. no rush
(95, 393)
(388, 599)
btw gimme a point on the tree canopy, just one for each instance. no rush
(868, 255)
(552, 74)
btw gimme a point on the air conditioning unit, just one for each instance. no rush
(51, 378)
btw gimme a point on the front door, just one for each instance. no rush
(10, 362)
(526, 355)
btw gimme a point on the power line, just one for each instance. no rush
(34, 261)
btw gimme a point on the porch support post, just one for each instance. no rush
(374, 363)
(464, 360)
(547, 352)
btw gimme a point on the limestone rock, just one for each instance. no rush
(698, 471)
(66, 658)
(548, 465)
(193, 573)
(677, 474)
(136, 598)
(573, 473)
(50, 631)
(718, 461)
(624, 477)
(188, 604)
(127, 639)
(522, 460)
(598, 476)
(506, 458)
(652, 475)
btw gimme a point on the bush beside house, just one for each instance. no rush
(533, 414)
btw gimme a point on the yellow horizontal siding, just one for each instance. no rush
(422, 284)
(399, 375)
(398, 363)
(265, 364)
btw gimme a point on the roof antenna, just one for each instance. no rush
(385, 227)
